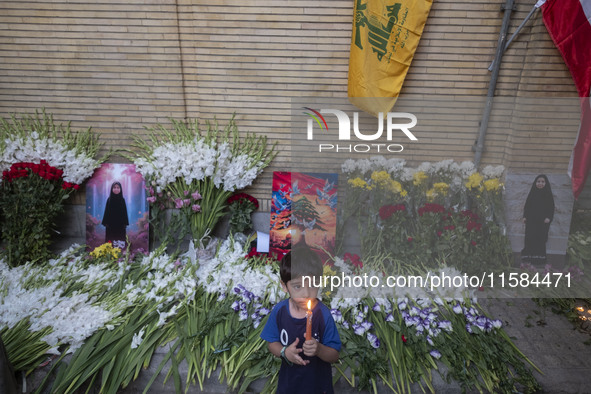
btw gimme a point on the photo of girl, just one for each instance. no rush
(116, 208)
(538, 213)
(115, 218)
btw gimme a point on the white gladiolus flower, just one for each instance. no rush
(76, 166)
(137, 339)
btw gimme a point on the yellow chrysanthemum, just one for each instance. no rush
(395, 187)
(404, 193)
(106, 250)
(441, 188)
(492, 184)
(381, 177)
(328, 271)
(431, 193)
(357, 183)
(419, 177)
(474, 181)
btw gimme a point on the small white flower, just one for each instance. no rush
(137, 339)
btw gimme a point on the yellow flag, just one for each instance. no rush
(385, 36)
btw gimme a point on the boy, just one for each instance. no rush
(305, 365)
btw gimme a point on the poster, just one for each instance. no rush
(303, 211)
(116, 208)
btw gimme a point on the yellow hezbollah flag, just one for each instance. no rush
(385, 37)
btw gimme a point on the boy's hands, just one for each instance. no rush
(293, 354)
(310, 347)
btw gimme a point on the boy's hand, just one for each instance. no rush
(293, 354)
(310, 348)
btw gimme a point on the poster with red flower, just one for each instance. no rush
(116, 208)
(303, 211)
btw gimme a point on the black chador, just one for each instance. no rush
(115, 218)
(537, 214)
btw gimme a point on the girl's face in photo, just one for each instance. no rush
(116, 189)
(540, 183)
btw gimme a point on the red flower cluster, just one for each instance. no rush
(253, 253)
(431, 208)
(387, 211)
(241, 198)
(354, 259)
(473, 223)
(44, 170)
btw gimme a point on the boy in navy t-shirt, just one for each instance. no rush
(305, 366)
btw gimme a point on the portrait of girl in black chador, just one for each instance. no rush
(538, 213)
(115, 218)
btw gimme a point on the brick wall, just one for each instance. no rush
(121, 65)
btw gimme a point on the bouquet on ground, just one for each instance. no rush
(42, 164)
(241, 206)
(196, 172)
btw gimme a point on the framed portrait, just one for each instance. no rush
(116, 208)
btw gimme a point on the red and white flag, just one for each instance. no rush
(569, 25)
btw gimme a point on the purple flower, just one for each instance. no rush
(376, 307)
(359, 329)
(151, 200)
(424, 313)
(336, 315)
(430, 340)
(186, 192)
(434, 332)
(457, 308)
(389, 317)
(178, 203)
(402, 305)
(469, 328)
(360, 317)
(264, 311)
(256, 323)
(373, 340)
(186, 202)
(435, 354)
(196, 196)
(367, 325)
(497, 323)
(222, 297)
(345, 324)
(243, 315)
(237, 289)
(236, 306)
(445, 325)
(414, 311)
(196, 208)
(413, 321)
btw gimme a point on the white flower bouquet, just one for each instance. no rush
(196, 172)
(42, 164)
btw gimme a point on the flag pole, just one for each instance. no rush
(517, 31)
(479, 145)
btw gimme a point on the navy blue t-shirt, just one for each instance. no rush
(316, 377)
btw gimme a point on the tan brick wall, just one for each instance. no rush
(121, 65)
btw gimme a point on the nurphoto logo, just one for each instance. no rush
(395, 121)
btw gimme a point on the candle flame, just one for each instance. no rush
(309, 304)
